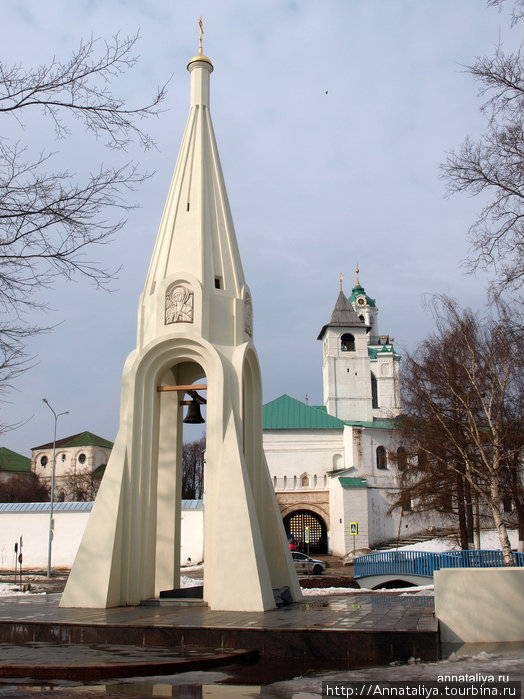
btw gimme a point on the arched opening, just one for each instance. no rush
(347, 343)
(402, 458)
(381, 458)
(179, 447)
(295, 525)
(374, 391)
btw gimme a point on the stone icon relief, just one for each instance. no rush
(248, 316)
(179, 304)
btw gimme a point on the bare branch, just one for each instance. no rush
(493, 167)
(463, 403)
(52, 219)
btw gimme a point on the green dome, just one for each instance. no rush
(359, 290)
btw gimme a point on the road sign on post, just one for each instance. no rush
(353, 530)
(306, 539)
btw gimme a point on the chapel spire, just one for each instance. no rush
(196, 249)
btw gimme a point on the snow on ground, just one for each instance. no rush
(489, 541)
(505, 662)
(13, 590)
(425, 590)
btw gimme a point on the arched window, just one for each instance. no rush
(347, 343)
(304, 482)
(374, 391)
(407, 505)
(402, 459)
(381, 458)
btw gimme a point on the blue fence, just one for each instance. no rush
(424, 563)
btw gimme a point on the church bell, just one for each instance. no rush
(193, 415)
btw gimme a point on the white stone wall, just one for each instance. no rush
(33, 527)
(386, 370)
(291, 454)
(355, 510)
(336, 541)
(480, 605)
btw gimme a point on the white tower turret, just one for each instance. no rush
(360, 367)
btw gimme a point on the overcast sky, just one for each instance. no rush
(331, 117)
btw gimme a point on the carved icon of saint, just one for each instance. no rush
(179, 305)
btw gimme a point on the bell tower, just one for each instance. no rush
(360, 366)
(346, 371)
(195, 336)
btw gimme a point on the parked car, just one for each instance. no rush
(305, 564)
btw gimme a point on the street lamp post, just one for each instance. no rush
(51, 520)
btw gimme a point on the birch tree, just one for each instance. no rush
(462, 414)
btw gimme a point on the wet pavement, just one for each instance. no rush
(348, 630)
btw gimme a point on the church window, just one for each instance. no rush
(374, 391)
(381, 458)
(407, 505)
(82, 458)
(347, 343)
(43, 461)
(402, 459)
(304, 482)
(446, 501)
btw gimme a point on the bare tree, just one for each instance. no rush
(462, 417)
(50, 217)
(81, 485)
(25, 487)
(193, 469)
(493, 166)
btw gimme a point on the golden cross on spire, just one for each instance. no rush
(201, 31)
(341, 277)
(357, 283)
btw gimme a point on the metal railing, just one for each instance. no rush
(425, 563)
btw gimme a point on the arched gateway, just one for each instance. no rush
(302, 525)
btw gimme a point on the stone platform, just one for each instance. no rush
(339, 631)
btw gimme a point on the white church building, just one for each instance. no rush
(334, 467)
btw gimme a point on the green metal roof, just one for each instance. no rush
(347, 482)
(82, 439)
(286, 413)
(11, 461)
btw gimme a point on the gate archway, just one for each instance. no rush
(295, 525)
